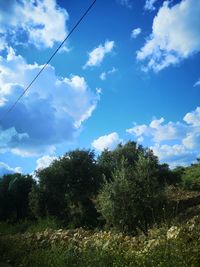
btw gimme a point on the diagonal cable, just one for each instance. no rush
(54, 53)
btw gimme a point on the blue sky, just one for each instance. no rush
(131, 71)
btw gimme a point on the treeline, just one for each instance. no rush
(123, 188)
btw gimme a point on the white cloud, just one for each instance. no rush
(109, 141)
(174, 142)
(149, 4)
(193, 117)
(97, 55)
(135, 33)
(44, 162)
(157, 131)
(50, 113)
(156, 123)
(104, 74)
(197, 83)
(174, 155)
(138, 130)
(174, 38)
(6, 169)
(31, 21)
(126, 3)
(192, 140)
(169, 131)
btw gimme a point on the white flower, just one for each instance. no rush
(173, 232)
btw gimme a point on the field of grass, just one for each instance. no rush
(177, 246)
(174, 243)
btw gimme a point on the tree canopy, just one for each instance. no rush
(66, 188)
(14, 195)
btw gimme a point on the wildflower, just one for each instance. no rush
(173, 232)
(191, 227)
(152, 243)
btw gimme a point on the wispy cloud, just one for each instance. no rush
(6, 169)
(125, 3)
(197, 83)
(103, 76)
(149, 4)
(97, 55)
(135, 33)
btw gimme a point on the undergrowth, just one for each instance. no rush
(175, 246)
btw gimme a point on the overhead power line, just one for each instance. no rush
(48, 61)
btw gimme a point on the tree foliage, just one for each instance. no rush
(131, 199)
(66, 188)
(191, 176)
(14, 192)
(124, 187)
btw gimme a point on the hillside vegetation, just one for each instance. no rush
(122, 208)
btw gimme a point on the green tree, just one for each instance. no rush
(131, 199)
(110, 160)
(14, 191)
(67, 187)
(191, 176)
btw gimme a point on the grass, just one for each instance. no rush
(8, 228)
(177, 246)
(43, 243)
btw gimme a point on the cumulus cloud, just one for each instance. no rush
(6, 169)
(109, 141)
(50, 113)
(192, 140)
(149, 4)
(173, 142)
(157, 131)
(135, 33)
(193, 117)
(138, 130)
(174, 155)
(44, 162)
(97, 55)
(103, 76)
(30, 22)
(175, 35)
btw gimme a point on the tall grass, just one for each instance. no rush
(178, 246)
(7, 228)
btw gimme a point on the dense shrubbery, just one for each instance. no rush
(177, 246)
(14, 196)
(123, 188)
(191, 176)
(66, 189)
(133, 196)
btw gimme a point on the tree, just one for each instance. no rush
(110, 160)
(14, 191)
(131, 199)
(191, 176)
(67, 187)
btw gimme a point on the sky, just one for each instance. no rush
(130, 71)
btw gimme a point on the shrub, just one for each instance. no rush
(132, 199)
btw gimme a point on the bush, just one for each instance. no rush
(133, 197)
(175, 246)
(66, 189)
(14, 191)
(191, 177)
